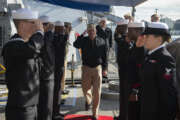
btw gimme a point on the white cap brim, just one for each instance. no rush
(136, 25)
(103, 19)
(59, 23)
(159, 25)
(25, 13)
(122, 22)
(44, 19)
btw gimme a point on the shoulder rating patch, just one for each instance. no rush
(167, 75)
(139, 65)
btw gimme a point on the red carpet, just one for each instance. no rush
(86, 117)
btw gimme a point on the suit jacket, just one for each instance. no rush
(105, 35)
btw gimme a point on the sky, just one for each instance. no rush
(166, 8)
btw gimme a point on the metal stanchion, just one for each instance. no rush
(3, 69)
(72, 72)
(3, 90)
(2, 72)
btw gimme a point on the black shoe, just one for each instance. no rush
(59, 116)
(87, 106)
(94, 118)
(65, 92)
(63, 101)
(117, 118)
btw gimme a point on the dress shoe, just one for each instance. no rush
(117, 118)
(64, 92)
(63, 101)
(59, 116)
(87, 106)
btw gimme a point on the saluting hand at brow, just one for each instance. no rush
(140, 41)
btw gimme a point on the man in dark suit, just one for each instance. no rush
(106, 34)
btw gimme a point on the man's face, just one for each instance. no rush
(91, 32)
(122, 29)
(133, 33)
(68, 28)
(45, 26)
(59, 29)
(103, 23)
(27, 26)
(154, 19)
